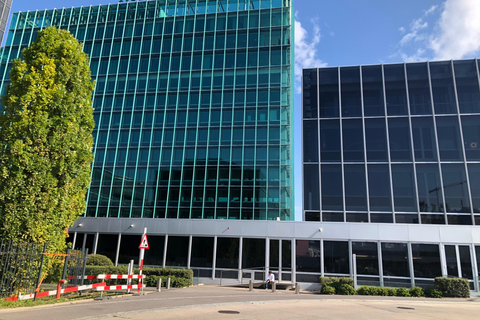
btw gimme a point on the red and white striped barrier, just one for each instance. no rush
(110, 276)
(119, 287)
(54, 292)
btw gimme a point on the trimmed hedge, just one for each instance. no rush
(99, 260)
(335, 281)
(327, 290)
(416, 292)
(402, 292)
(452, 287)
(346, 289)
(433, 293)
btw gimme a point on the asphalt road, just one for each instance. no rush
(210, 302)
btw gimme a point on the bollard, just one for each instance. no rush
(159, 285)
(274, 287)
(59, 287)
(297, 288)
(250, 286)
(168, 284)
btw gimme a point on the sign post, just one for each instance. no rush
(143, 245)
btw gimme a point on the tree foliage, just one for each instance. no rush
(46, 140)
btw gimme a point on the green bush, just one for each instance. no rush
(453, 287)
(383, 291)
(346, 289)
(367, 291)
(416, 292)
(335, 281)
(433, 293)
(392, 292)
(402, 292)
(327, 290)
(99, 260)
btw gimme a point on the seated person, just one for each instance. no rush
(270, 279)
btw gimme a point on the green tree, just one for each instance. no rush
(46, 140)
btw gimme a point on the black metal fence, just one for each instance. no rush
(74, 267)
(20, 267)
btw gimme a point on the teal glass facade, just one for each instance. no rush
(193, 105)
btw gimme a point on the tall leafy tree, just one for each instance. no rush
(46, 140)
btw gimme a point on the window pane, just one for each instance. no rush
(442, 87)
(455, 187)
(286, 254)
(202, 252)
(310, 93)
(465, 262)
(355, 188)
(329, 93)
(310, 138)
(352, 140)
(311, 189)
(373, 103)
(395, 260)
(424, 145)
(332, 196)
(399, 136)
(379, 187)
(426, 260)
(419, 89)
(107, 245)
(308, 255)
(430, 198)
(330, 146)
(351, 97)
(396, 93)
(449, 141)
(253, 253)
(154, 255)
(467, 86)
(403, 188)
(274, 253)
(376, 136)
(367, 257)
(177, 250)
(227, 253)
(336, 257)
(473, 174)
(471, 136)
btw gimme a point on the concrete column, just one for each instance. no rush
(410, 264)
(118, 249)
(165, 251)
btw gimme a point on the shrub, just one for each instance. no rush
(392, 292)
(402, 292)
(452, 287)
(367, 291)
(382, 291)
(327, 290)
(175, 282)
(433, 293)
(99, 260)
(335, 281)
(416, 292)
(346, 289)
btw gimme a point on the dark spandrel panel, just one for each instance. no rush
(312, 216)
(474, 174)
(395, 259)
(308, 255)
(227, 253)
(399, 137)
(381, 217)
(253, 253)
(309, 278)
(202, 252)
(367, 257)
(406, 218)
(465, 262)
(426, 260)
(424, 145)
(336, 257)
(379, 187)
(395, 90)
(471, 136)
(177, 251)
(419, 89)
(351, 96)
(310, 141)
(332, 197)
(355, 188)
(451, 261)
(357, 217)
(373, 102)
(468, 91)
(107, 245)
(376, 139)
(455, 188)
(449, 141)
(404, 188)
(286, 254)
(442, 88)
(432, 218)
(330, 146)
(430, 196)
(333, 217)
(457, 219)
(310, 96)
(352, 130)
(329, 95)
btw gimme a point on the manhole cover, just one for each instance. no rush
(229, 312)
(406, 308)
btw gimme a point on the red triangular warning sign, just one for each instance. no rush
(144, 242)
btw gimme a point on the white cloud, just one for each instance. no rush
(306, 51)
(459, 30)
(416, 27)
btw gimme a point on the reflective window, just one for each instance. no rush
(449, 141)
(471, 136)
(467, 86)
(442, 87)
(367, 257)
(177, 251)
(352, 140)
(395, 259)
(373, 102)
(274, 253)
(227, 253)
(473, 174)
(455, 188)
(128, 248)
(310, 141)
(333, 216)
(403, 188)
(379, 187)
(309, 93)
(351, 96)
(399, 137)
(311, 189)
(332, 197)
(419, 89)
(395, 90)
(330, 146)
(286, 254)
(376, 139)
(430, 196)
(465, 262)
(426, 260)
(336, 257)
(253, 253)
(154, 255)
(308, 255)
(107, 245)
(202, 252)
(424, 145)
(451, 261)
(355, 188)
(328, 87)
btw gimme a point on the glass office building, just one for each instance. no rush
(5, 6)
(193, 105)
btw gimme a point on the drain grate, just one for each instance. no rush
(406, 308)
(229, 312)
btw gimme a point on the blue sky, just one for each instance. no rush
(353, 32)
